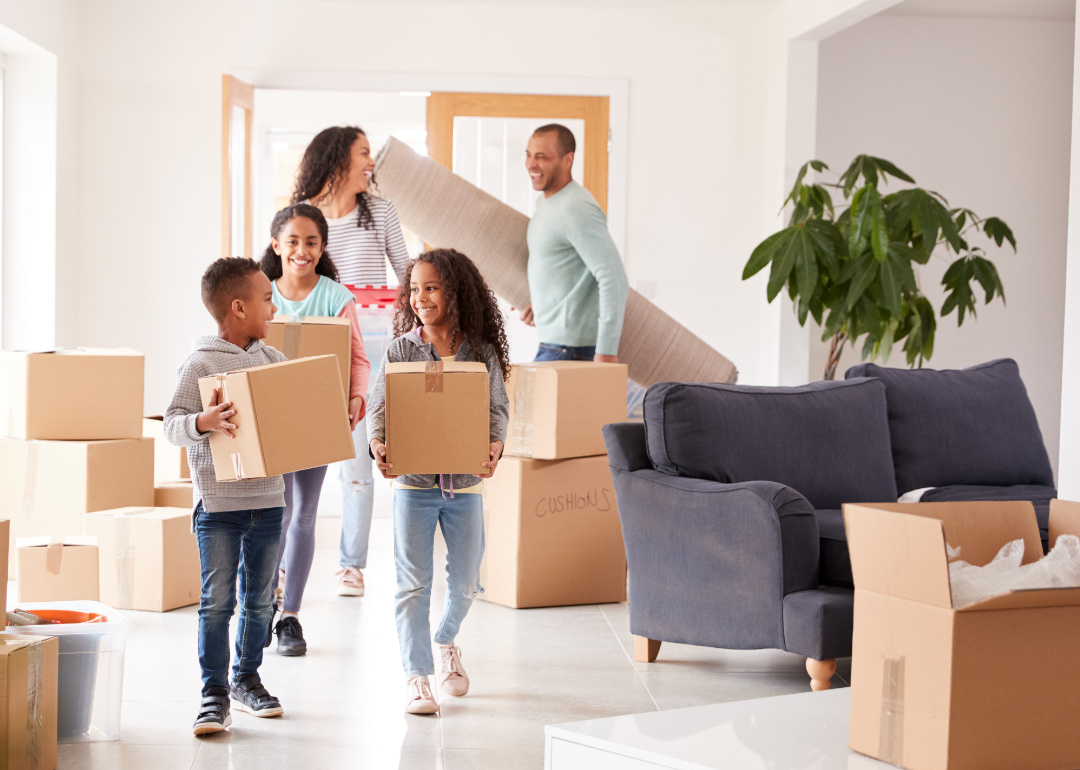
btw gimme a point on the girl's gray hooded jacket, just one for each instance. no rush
(411, 347)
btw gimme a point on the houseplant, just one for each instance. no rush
(852, 266)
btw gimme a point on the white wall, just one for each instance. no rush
(979, 110)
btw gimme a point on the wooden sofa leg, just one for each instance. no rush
(646, 650)
(820, 672)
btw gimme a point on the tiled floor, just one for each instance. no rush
(343, 699)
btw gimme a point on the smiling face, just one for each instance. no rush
(300, 247)
(427, 295)
(256, 311)
(548, 171)
(361, 166)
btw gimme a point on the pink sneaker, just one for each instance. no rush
(418, 697)
(453, 679)
(350, 582)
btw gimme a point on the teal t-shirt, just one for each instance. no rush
(576, 278)
(327, 299)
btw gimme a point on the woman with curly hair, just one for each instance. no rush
(336, 175)
(446, 313)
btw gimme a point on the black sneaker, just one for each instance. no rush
(270, 627)
(214, 713)
(252, 697)
(290, 637)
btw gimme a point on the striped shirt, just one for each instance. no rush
(360, 253)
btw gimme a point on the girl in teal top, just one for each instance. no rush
(304, 282)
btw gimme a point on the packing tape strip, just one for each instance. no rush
(291, 343)
(125, 564)
(54, 553)
(891, 738)
(30, 483)
(524, 388)
(433, 377)
(238, 466)
(35, 687)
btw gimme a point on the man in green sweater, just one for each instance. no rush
(576, 278)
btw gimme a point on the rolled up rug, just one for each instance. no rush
(448, 212)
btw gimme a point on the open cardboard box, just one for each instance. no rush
(307, 336)
(994, 685)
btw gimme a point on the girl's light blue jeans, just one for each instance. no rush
(461, 518)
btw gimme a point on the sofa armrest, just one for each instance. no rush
(627, 450)
(710, 563)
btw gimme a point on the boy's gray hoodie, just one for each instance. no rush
(213, 355)
(411, 347)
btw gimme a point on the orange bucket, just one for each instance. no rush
(70, 616)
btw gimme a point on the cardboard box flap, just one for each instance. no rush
(45, 540)
(157, 514)
(101, 352)
(898, 554)
(421, 367)
(1064, 519)
(557, 365)
(312, 319)
(1028, 598)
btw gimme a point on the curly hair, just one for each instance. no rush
(471, 306)
(271, 261)
(226, 279)
(326, 163)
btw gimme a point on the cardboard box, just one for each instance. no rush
(29, 681)
(438, 417)
(553, 534)
(289, 416)
(71, 394)
(174, 494)
(170, 462)
(558, 408)
(57, 570)
(994, 685)
(47, 486)
(308, 335)
(148, 557)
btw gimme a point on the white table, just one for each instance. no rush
(790, 732)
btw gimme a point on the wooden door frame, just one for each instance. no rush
(235, 93)
(443, 107)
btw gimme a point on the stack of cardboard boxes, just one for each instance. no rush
(551, 523)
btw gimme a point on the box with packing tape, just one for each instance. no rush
(306, 336)
(71, 394)
(174, 494)
(991, 685)
(47, 486)
(553, 534)
(289, 416)
(148, 558)
(170, 462)
(51, 570)
(29, 686)
(437, 417)
(558, 408)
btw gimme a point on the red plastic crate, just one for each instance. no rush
(374, 296)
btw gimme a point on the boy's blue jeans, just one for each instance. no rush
(548, 352)
(461, 518)
(235, 544)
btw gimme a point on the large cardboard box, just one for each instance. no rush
(29, 682)
(553, 534)
(438, 417)
(174, 494)
(71, 394)
(47, 486)
(308, 335)
(994, 685)
(148, 557)
(57, 570)
(289, 416)
(558, 408)
(170, 462)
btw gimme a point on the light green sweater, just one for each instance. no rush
(576, 278)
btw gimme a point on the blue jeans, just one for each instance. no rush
(565, 353)
(416, 512)
(231, 544)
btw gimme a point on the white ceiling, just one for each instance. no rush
(1060, 10)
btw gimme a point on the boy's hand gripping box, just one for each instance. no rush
(992, 686)
(307, 336)
(289, 416)
(437, 417)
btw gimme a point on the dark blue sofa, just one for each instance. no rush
(730, 495)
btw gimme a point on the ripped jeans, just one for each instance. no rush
(461, 518)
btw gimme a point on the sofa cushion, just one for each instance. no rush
(835, 563)
(828, 440)
(1039, 496)
(969, 426)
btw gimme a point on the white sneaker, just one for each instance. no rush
(418, 697)
(350, 582)
(452, 679)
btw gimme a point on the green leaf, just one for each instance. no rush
(879, 235)
(788, 248)
(890, 287)
(998, 231)
(864, 203)
(886, 344)
(863, 277)
(806, 273)
(763, 254)
(888, 168)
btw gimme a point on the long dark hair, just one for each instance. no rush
(471, 306)
(271, 262)
(326, 163)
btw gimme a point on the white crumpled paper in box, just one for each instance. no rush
(1058, 569)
